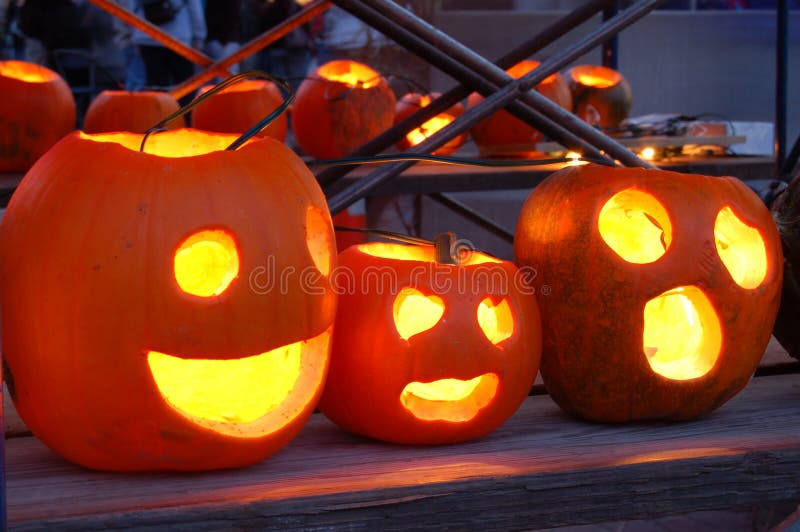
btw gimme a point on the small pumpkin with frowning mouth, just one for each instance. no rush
(152, 320)
(429, 353)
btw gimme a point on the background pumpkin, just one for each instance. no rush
(36, 110)
(503, 133)
(149, 332)
(662, 289)
(413, 102)
(239, 107)
(427, 353)
(340, 106)
(119, 110)
(601, 96)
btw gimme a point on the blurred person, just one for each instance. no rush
(165, 68)
(290, 57)
(223, 21)
(135, 73)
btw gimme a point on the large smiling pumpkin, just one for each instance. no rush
(662, 289)
(141, 327)
(428, 353)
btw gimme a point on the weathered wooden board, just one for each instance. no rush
(540, 469)
(424, 178)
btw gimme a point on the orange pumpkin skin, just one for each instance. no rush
(331, 119)
(36, 110)
(593, 302)
(600, 96)
(502, 132)
(130, 111)
(413, 102)
(86, 300)
(371, 363)
(239, 107)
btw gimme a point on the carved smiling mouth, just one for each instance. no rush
(452, 400)
(234, 396)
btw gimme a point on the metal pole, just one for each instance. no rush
(467, 75)
(790, 163)
(514, 89)
(255, 45)
(437, 43)
(472, 215)
(781, 83)
(458, 93)
(611, 46)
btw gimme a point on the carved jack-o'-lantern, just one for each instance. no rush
(340, 106)
(144, 327)
(601, 96)
(36, 110)
(662, 289)
(502, 133)
(241, 106)
(413, 102)
(428, 353)
(119, 110)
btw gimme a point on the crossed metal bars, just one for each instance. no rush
(473, 71)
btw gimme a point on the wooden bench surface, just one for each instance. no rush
(540, 469)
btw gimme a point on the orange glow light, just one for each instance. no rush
(350, 73)
(595, 76)
(25, 71)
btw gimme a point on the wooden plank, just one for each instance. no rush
(661, 141)
(540, 469)
(424, 177)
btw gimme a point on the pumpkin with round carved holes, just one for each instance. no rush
(119, 110)
(239, 107)
(167, 325)
(659, 289)
(340, 106)
(36, 110)
(601, 96)
(429, 353)
(413, 102)
(502, 133)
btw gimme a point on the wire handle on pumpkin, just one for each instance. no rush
(447, 250)
(286, 90)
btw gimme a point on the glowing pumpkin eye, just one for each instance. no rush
(741, 249)
(635, 226)
(206, 263)
(682, 336)
(318, 239)
(414, 312)
(496, 321)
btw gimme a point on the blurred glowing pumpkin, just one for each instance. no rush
(36, 110)
(136, 112)
(429, 353)
(340, 106)
(145, 334)
(662, 289)
(239, 107)
(502, 133)
(413, 102)
(601, 96)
